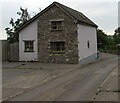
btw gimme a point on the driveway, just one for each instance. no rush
(56, 82)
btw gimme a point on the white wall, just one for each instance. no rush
(86, 33)
(28, 33)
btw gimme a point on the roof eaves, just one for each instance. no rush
(83, 23)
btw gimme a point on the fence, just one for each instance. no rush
(116, 52)
(111, 49)
(13, 52)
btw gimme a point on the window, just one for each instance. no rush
(29, 46)
(88, 44)
(56, 25)
(57, 46)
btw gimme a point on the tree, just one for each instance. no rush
(102, 39)
(116, 36)
(11, 32)
(110, 40)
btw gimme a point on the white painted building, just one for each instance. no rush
(30, 47)
(29, 33)
(87, 45)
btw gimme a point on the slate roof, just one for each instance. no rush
(81, 18)
(77, 15)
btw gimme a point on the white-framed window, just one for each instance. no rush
(28, 45)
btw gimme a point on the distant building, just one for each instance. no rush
(58, 34)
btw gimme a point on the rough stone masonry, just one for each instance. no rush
(68, 34)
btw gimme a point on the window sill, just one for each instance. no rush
(57, 52)
(56, 30)
(28, 51)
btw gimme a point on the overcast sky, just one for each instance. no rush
(103, 12)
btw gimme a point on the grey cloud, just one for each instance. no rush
(104, 14)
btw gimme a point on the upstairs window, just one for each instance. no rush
(29, 46)
(56, 25)
(57, 46)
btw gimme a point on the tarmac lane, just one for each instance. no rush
(78, 85)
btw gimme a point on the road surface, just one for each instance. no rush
(78, 85)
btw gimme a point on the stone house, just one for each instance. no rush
(58, 34)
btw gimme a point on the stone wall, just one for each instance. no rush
(67, 34)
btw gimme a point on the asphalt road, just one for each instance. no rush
(78, 85)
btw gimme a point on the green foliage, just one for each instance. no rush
(116, 36)
(104, 41)
(101, 39)
(108, 42)
(11, 32)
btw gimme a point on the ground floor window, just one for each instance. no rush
(29, 46)
(57, 46)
